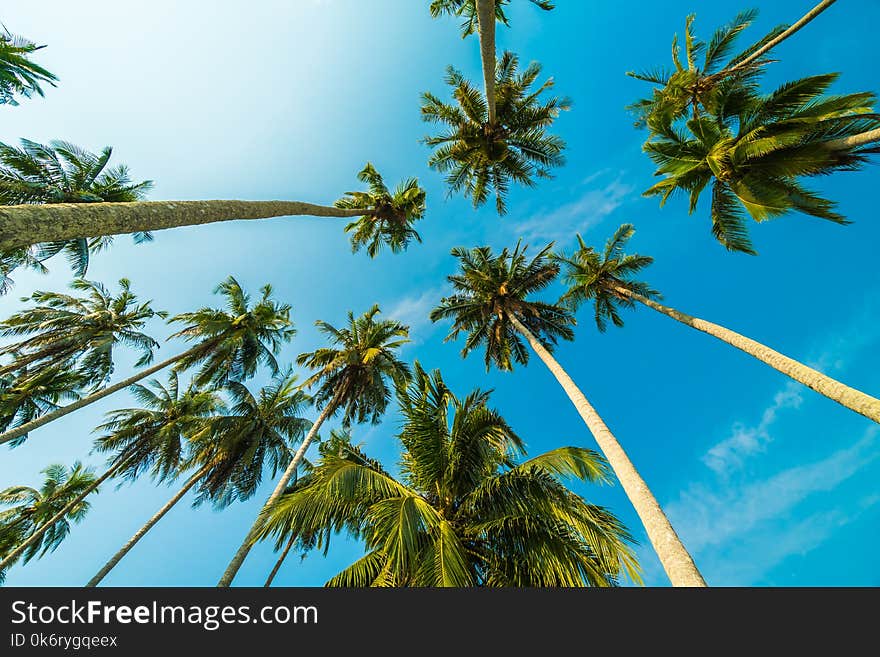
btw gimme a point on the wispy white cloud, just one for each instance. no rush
(413, 310)
(589, 209)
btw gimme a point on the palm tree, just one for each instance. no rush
(63, 173)
(30, 395)
(481, 153)
(18, 74)
(492, 308)
(481, 15)
(694, 86)
(755, 149)
(463, 513)
(229, 448)
(352, 376)
(78, 331)
(31, 509)
(22, 226)
(607, 279)
(394, 213)
(230, 344)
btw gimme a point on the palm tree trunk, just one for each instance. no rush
(239, 557)
(23, 429)
(280, 561)
(676, 561)
(862, 139)
(23, 225)
(486, 25)
(815, 11)
(853, 399)
(33, 538)
(149, 525)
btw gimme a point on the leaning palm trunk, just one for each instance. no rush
(20, 431)
(810, 15)
(24, 225)
(280, 561)
(33, 538)
(110, 565)
(676, 561)
(853, 399)
(239, 557)
(486, 26)
(861, 139)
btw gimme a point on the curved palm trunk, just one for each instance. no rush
(486, 25)
(239, 557)
(862, 139)
(20, 431)
(810, 15)
(33, 538)
(280, 561)
(24, 225)
(149, 525)
(676, 561)
(853, 399)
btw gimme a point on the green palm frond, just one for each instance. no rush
(467, 9)
(19, 76)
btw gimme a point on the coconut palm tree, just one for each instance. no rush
(491, 306)
(694, 86)
(227, 448)
(230, 344)
(481, 15)
(756, 149)
(32, 394)
(18, 74)
(31, 509)
(352, 377)
(394, 213)
(607, 279)
(61, 172)
(464, 512)
(78, 331)
(483, 153)
(22, 226)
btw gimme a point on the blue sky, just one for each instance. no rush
(766, 482)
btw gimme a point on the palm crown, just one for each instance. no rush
(67, 330)
(389, 216)
(468, 10)
(756, 147)
(233, 342)
(255, 432)
(596, 276)
(463, 512)
(29, 395)
(489, 290)
(354, 373)
(63, 173)
(18, 74)
(482, 158)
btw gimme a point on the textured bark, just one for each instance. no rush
(239, 557)
(815, 11)
(280, 561)
(33, 538)
(853, 399)
(486, 26)
(676, 561)
(19, 431)
(23, 225)
(149, 525)
(855, 141)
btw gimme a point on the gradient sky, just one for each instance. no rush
(766, 482)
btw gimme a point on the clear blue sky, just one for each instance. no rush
(767, 482)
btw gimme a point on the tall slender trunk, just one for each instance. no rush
(23, 429)
(280, 561)
(33, 538)
(149, 525)
(239, 557)
(810, 15)
(23, 225)
(861, 139)
(676, 561)
(486, 26)
(853, 399)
